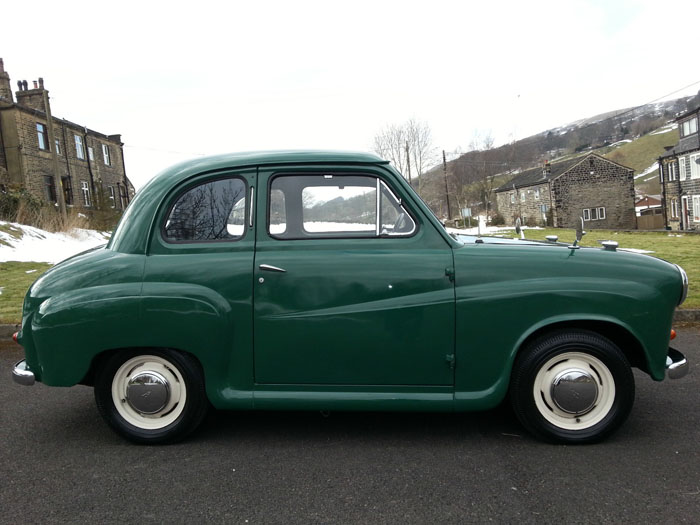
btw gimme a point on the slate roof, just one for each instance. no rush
(690, 143)
(536, 176)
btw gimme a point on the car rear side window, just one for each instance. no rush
(213, 211)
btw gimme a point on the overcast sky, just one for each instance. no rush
(181, 79)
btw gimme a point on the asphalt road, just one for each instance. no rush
(59, 463)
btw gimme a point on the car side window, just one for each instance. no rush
(312, 206)
(212, 211)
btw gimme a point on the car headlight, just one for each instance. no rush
(684, 291)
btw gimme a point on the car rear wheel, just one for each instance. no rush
(572, 387)
(151, 396)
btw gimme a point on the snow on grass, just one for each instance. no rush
(651, 169)
(26, 243)
(666, 129)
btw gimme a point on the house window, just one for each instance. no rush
(512, 198)
(50, 188)
(58, 147)
(42, 136)
(696, 208)
(537, 194)
(681, 168)
(85, 189)
(694, 167)
(594, 214)
(674, 208)
(123, 199)
(113, 200)
(79, 149)
(91, 153)
(672, 171)
(105, 155)
(67, 190)
(522, 196)
(689, 127)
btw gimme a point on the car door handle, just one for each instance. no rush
(270, 268)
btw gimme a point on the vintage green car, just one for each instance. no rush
(321, 281)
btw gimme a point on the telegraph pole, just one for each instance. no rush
(447, 193)
(408, 163)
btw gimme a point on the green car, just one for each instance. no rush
(321, 281)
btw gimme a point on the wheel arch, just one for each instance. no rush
(620, 335)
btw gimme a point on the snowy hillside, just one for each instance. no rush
(25, 243)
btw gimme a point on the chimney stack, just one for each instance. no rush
(5, 88)
(32, 98)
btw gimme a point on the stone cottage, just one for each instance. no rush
(54, 159)
(679, 172)
(590, 186)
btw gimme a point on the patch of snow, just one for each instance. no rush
(650, 169)
(30, 271)
(620, 142)
(35, 245)
(665, 129)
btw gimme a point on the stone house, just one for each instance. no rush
(590, 186)
(54, 159)
(679, 173)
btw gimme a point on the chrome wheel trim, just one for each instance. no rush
(137, 368)
(591, 410)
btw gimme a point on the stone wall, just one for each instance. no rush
(525, 203)
(591, 184)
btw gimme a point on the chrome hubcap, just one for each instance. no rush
(148, 392)
(574, 391)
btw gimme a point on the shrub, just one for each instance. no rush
(497, 220)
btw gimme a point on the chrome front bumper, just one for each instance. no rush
(22, 375)
(676, 364)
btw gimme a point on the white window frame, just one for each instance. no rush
(522, 196)
(671, 171)
(42, 136)
(681, 168)
(601, 213)
(91, 153)
(112, 197)
(696, 208)
(512, 198)
(106, 155)
(586, 214)
(79, 148)
(694, 167)
(537, 194)
(85, 189)
(58, 146)
(674, 208)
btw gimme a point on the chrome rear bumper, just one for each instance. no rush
(22, 375)
(676, 364)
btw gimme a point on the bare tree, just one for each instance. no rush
(408, 146)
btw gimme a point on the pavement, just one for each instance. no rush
(61, 464)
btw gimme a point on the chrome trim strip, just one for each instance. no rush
(270, 268)
(252, 206)
(676, 364)
(22, 375)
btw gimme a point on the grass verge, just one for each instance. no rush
(15, 280)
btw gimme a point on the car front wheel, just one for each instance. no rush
(151, 396)
(572, 387)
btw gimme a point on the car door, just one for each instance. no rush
(352, 286)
